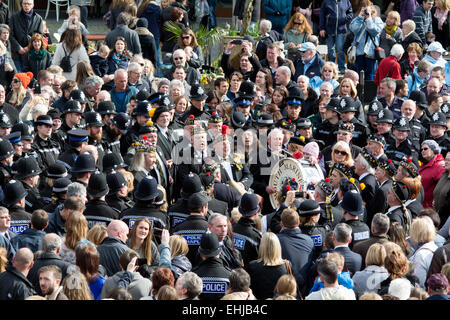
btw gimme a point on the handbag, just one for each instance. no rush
(379, 53)
(351, 51)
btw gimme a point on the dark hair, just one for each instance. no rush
(433, 96)
(187, 31)
(430, 212)
(39, 219)
(126, 257)
(74, 204)
(88, 260)
(212, 95)
(68, 85)
(400, 84)
(239, 280)
(175, 13)
(218, 81)
(72, 39)
(125, 51)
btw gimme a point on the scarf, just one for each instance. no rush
(37, 55)
(27, 17)
(390, 29)
(441, 16)
(117, 57)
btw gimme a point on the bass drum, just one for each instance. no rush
(303, 171)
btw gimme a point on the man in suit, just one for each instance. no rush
(342, 236)
(365, 165)
(161, 119)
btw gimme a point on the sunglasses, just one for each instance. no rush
(15, 80)
(186, 37)
(424, 149)
(327, 70)
(343, 153)
(298, 23)
(178, 58)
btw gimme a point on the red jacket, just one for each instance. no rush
(430, 174)
(383, 68)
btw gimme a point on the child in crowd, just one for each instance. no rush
(344, 278)
(99, 60)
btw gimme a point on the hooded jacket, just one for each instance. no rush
(334, 16)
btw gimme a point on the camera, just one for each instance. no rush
(237, 41)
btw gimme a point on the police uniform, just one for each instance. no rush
(98, 211)
(215, 278)
(360, 131)
(20, 219)
(197, 93)
(27, 167)
(6, 150)
(405, 148)
(71, 153)
(45, 151)
(192, 229)
(417, 134)
(439, 118)
(116, 182)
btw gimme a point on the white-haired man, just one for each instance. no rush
(389, 66)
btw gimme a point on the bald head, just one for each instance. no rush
(118, 229)
(23, 260)
(283, 75)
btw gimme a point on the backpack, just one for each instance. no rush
(65, 62)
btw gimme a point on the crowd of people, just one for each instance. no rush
(125, 176)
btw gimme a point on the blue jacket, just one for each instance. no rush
(344, 279)
(317, 81)
(447, 73)
(30, 238)
(271, 7)
(334, 16)
(414, 81)
(371, 26)
(121, 106)
(153, 15)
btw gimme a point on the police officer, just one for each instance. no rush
(352, 209)
(178, 212)
(438, 128)
(113, 162)
(195, 225)
(402, 145)
(215, 276)
(6, 160)
(83, 168)
(71, 114)
(94, 126)
(293, 105)
(348, 111)
(44, 148)
(76, 138)
(198, 97)
(26, 136)
(28, 173)
(107, 111)
(115, 131)
(14, 200)
(59, 193)
(78, 95)
(420, 99)
(310, 212)
(117, 198)
(5, 124)
(97, 210)
(245, 233)
(326, 129)
(417, 133)
(304, 128)
(16, 141)
(144, 195)
(385, 121)
(375, 107)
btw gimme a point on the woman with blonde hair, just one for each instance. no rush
(77, 230)
(178, 250)
(76, 287)
(19, 96)
(348, 88)
(341, 153)
(296, 32)
(225, 109)
(268, 268)
(441, 22)
(84, 71)
(422, 236)
(140, 240)
(329, 73)
(97, 234)
(286, 285)
(391, 33)
(3, 259)
(374, 273)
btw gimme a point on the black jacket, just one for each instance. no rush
(20, 219)
(353, 260)
(20, 33)
(228, 68)
(215, 278)
(266, 40)
(46, 151)
(246, 239)
(34, 65)
(148, 44)
(14, 285)
(314, 69)
(45, 259)
(110, 251)
(99, 64)
(4, 13)
(98, 211)
(192, 229)
(264, 278)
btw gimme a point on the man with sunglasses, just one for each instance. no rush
(179, 60)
